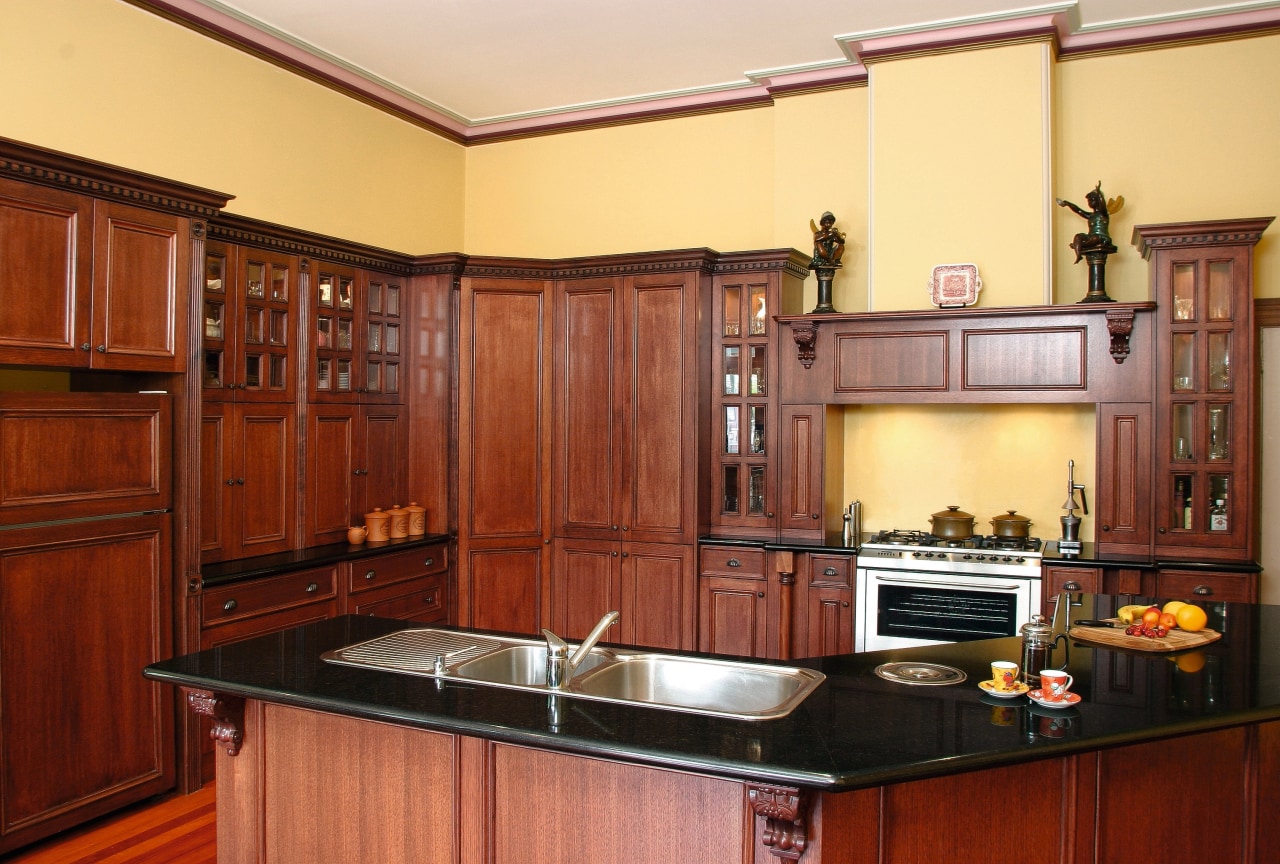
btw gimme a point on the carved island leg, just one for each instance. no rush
(785, 810)
(227, 713)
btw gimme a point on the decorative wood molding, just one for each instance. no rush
(292, 241)
(1120, 326)
(785, 810)
(227, 713)
(806, 336)
(789, 261)
(1217, 232)
(1266, 312)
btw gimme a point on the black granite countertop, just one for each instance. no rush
(855, 730)
(303, 559)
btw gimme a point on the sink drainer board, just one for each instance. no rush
(413, 650)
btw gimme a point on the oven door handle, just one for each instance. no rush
(932, 583)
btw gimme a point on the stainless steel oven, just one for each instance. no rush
(917, 589)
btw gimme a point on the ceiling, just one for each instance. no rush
(474, 64)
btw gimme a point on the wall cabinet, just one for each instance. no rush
(1122, 497)
(1202, 280)
(356, 457)
(356, 319)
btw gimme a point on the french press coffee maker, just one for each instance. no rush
(1038, 642)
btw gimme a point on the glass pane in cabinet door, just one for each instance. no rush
(373, 377)
(391, 383)
(279, 370)
(1184, 361)
(324, 291)
(758, 355)
(254, 282)
(732, 310)
(759, 310)
(346, 293)
(324, 374)
(253, 326)
(324, 332)
(1220, 432)
(344, 375)
(1219, 290)
(731, 429)
(344, 334)
(279, 327)
(755, 490)
(1182, 511)
(375, 298)
(213, 327)
(279, 284)
(732, 355)
(214, 268)
(1183, 432)
(756, 413)
(375, 339)
(253, 371)
(1219, 361)
(393, 301)
(213, 368)
(1184, 292)
(393, 339)
(730, 502)
(1219, 502)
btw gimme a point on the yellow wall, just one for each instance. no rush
(111, 82)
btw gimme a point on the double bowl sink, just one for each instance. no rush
(699, 685)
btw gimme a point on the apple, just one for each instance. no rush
(1168, 620)
(1152, 616)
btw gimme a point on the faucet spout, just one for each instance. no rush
(561, 666)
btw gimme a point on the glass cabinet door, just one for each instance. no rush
(248, 298)
(334, 334)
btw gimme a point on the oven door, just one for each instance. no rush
(905, 609)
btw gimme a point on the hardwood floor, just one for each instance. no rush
(179, 830)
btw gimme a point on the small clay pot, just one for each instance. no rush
(356, 534)
(1011, 526)
(952, 524)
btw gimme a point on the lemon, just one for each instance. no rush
(1173, 606)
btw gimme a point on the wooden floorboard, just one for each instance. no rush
(178, 830)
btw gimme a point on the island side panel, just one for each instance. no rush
(550, 808)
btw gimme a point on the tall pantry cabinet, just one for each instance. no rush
(97, 266)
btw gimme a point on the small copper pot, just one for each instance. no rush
(1011, 526)
(951, 524)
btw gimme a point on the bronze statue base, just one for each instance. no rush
(1097, 259)
(825, 275)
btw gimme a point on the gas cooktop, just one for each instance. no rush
(924, 540)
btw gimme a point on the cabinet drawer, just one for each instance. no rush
(1056, 580)
(728, 561)
(831, 571)
(1192, 586)
(369, 573)
(260, 596)
(426, 602)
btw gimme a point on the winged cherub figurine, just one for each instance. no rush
(1098, 237)
(828, 243)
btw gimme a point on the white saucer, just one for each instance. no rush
(1068, 699)
(989, 687)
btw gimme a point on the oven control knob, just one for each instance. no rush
(1022, 560)
(968, 557)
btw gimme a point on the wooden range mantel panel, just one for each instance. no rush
(1099, 353)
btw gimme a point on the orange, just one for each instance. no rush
(1191, 618)
(1192, 662)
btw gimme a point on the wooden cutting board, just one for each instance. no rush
(1115, 637)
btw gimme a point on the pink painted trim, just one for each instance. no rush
(872, 46)
(1171, 31)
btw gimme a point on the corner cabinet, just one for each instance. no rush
(1205, 449)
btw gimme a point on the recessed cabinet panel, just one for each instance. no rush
(891, 361)
(1026, 358)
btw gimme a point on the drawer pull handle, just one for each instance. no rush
(230, 605)
(830, 571)
(1071, 586)
(1202, 590)
(428, 562)
(734, 562)
(371, 574)
(312, 587)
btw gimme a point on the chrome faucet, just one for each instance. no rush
(561, 666)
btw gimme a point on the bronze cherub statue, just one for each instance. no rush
(1098, 216)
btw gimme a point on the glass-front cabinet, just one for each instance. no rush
(356, 320)
(249, 304)
(747, 293)
(1204, 448)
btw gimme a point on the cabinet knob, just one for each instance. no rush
(428, 562)
(613, 527)
(614, 554)
(830, 571)
(312, 587)
(371, 574)
(231, 481)
(1202, 590)
(1071, 586)
(844, 603)
(102, 349)
(1163, 530)
(85, 346)
(813, 515)
(239, 481)
(194, 584)
(760, 594)
(768, 515)
(624, 527)
(1106, 527)
(734, 562)
(626, 554)
(230, 605)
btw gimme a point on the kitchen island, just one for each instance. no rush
(326, 763)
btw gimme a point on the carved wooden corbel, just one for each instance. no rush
(806, 336)
(1120, 326)
(785, 810)
(227, 713)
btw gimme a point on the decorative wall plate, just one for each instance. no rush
(954, 285)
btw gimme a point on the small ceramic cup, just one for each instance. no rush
(1004, 676)
(356, 535)
(1055, 684)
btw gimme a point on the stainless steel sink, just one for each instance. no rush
(700, 685)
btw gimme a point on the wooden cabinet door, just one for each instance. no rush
(141, 283)
(45, 274)
(382, 337)
(504, 455)
(732, 616)
(1123, 496)
(659, 595)
(333, 467)
(800, 507)
(84, 607)
(828, 605)
(383, 453)
(248, 457)
(585, 586)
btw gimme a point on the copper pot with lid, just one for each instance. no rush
(951, 524)
(1011, 526)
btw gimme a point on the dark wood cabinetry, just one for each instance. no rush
(1123, 499)
(355, 462)
(356, 318)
